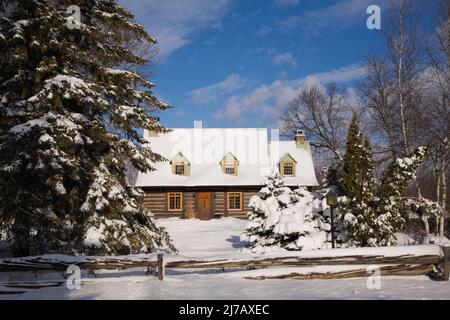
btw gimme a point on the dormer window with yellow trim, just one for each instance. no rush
(180, 168)
(180, 165)
(287, 166)
(230, 164)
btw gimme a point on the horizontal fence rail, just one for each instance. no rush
(436, 265)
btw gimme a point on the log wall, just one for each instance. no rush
(156, 201)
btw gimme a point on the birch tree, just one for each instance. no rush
(438, 80)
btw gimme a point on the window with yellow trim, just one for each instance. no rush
(287, 169)
(234, 200)
(230, 164)
(175, 201)
(180, 165)
(179, 168)
(230, 167)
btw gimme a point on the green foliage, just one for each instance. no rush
(258, 230)
(400, 172)
(371, 216)
(358, 187)
(395, 180)
(70, 121)
(358, 180)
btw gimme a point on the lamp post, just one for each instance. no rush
(332, 202)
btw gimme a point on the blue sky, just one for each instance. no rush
(236, 63)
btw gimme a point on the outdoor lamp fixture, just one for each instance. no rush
(332, 203)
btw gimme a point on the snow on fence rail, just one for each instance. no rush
(408, 260)
(430, 260)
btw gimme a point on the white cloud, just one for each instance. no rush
(347, 73)
(284, 58)
(267, 100)
(214, 92)
(174, 23)
(285, 3)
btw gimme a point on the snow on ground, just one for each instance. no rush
(216, 239)
(232, 286)
(205, 239)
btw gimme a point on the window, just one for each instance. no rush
(175, 201)
(286, 166)
(234, 200)
(180, 165)
(230, 167)
(229, 164)
(179, 168)
(288, 169)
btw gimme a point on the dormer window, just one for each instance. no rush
(180, 168)
(180, 165)
(230, 164)
(287, 166)
(230, 167)
(288, 169)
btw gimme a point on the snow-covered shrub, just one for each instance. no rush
(439, 240)
(282, 218)
(422, 208)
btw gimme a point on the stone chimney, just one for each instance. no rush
(299, 137)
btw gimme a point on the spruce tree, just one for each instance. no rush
(71, 118)
(359, 187)
(282, 218)
(266, 207)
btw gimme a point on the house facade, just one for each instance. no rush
(214, 172)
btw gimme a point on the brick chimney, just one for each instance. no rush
(299, 137)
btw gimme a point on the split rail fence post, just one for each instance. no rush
(160, 265)
(446, 262)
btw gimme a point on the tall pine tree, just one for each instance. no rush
(70, 121)
(359, 187)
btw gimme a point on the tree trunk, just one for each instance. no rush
(21, 233)
(419, 191)
(438, 198)
(444, 202)
(400, 82)
(427, 225)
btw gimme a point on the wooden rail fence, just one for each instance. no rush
(437, 266)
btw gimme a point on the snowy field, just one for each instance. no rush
(211, 240)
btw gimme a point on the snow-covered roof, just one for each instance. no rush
(205, 148)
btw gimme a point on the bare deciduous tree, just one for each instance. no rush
(324, 114)
(392, 89)
(438, 95)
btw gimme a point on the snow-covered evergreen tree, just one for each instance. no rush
(358, 184)
(70, 121)
(390, 204)
(266, 209)
(304, 224)
(282, 218)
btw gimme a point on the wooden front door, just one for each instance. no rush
(204, 205)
